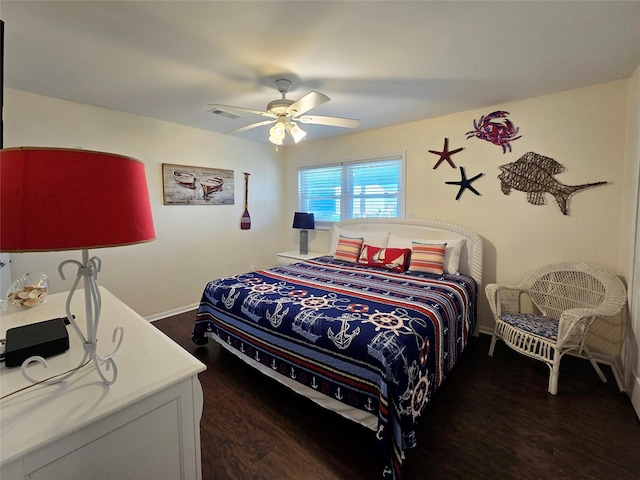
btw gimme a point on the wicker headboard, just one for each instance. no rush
(470, 258)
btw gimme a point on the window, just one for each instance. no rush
(367, 188)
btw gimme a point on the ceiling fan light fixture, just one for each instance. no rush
(286, 113)
(276, 133)
(296, 132)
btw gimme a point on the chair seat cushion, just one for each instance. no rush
(546, 327)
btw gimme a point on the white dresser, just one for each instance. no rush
(146, 426)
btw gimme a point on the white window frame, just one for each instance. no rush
(347, 196)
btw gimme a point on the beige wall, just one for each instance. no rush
(594, 132)
(630, 239)
(194, 243)
(582, 129)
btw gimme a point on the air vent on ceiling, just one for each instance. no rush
(224, 113)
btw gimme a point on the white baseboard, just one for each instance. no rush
(634, 394)
(485, 330)
(170, 313)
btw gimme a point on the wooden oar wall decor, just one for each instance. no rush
(245, 222)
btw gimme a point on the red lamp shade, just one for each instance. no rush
(65, 199)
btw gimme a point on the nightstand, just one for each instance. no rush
(293, 256)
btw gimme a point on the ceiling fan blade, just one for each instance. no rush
(332, 121)
(215, 106)
(306, 103)
(249, 127)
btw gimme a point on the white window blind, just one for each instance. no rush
(365, 188)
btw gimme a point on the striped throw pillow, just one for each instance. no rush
(428, 258)
(348, 249)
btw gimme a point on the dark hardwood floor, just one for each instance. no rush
(491, 419)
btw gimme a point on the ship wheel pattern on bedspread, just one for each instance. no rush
(257, 303)
(353, 315)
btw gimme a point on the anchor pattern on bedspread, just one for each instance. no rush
(309, 322)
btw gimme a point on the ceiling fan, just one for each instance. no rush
(284, 114)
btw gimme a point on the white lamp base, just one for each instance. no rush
(88, 271)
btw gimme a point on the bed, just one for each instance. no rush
(370, 330)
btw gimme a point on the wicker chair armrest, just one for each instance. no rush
(574, 323)
(497, 294)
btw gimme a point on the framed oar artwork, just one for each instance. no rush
(187, 185)
(245, 221)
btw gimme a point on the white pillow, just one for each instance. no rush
(451, 252)
(375, 239)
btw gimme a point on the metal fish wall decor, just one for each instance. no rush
(533, 173)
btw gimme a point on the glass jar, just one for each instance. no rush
(29, 290)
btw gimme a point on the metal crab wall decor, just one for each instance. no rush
(497, 132)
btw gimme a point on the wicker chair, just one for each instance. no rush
(569, 296)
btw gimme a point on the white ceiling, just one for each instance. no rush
(384, 62)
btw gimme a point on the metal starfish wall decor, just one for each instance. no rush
(465, 183)
(445, 154)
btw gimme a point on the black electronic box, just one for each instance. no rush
(44, 339)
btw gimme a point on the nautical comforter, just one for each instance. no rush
(373, 339)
